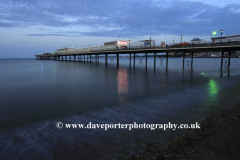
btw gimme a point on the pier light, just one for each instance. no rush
(181, 38)
(214, 33)
(221, 34)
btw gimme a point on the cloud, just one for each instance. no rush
(47, 35)
(126, 18)
(7, 24)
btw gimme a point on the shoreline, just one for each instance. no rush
(218, 137)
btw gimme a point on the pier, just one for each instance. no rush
(142, 53)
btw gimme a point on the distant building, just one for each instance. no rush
(147, 43)
(64, 50)
(225, 39)
(122, 43)
(118, 44)
(162, 44)
(110, 43)
(197, 41)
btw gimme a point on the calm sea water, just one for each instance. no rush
(36, 94)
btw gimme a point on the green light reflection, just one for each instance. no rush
(203, 74)
(213, 87)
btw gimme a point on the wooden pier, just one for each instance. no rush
(191, 49)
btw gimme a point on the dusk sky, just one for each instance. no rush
(29, 27)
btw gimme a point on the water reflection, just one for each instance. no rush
(42, 77)
(213, 88)
(122, 81)
(54, 74)
(54, 69)
(202, 73)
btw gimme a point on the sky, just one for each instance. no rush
(29, 27)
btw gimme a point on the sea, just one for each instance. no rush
(39, 98)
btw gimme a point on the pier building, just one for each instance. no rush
(225, 39)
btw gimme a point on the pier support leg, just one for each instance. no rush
(154, 61)
(117, 60)
(222, 59)
(229, 55)
(183, 60)
(146, 64)
(146, 59)
(90, 58)
(167, 60)
(192, 60)
(134, 55)
(130, 59)
(106, 59)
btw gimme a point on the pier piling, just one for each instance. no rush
(106, 59)
(192, 60)
(183, 60)
(222, 59)
(117, 60)
(229, 55)
(154, 61)
(134, 55)
(167, 60)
